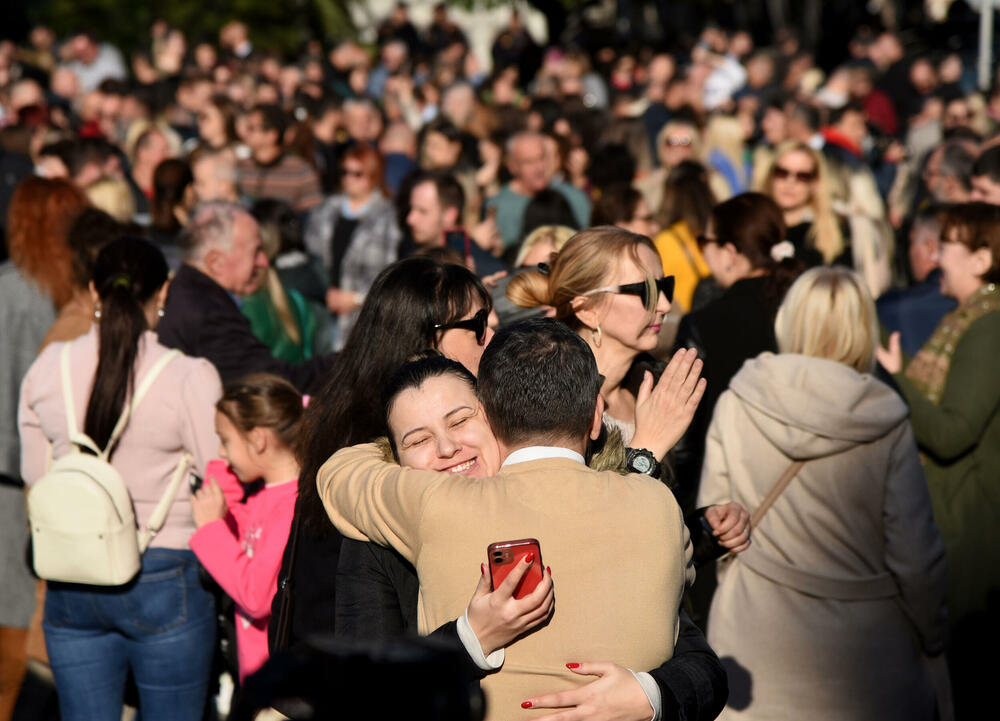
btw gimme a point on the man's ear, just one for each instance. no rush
(598, 421)
(211, 260)
(450, 217)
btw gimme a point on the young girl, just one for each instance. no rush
(241, 544)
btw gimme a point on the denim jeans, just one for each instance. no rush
(161, 625)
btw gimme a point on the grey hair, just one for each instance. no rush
(514, 139)
(211, 226)
(223, 167)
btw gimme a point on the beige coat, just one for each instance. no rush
(826, 615)
(617, 546)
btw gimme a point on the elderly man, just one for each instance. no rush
(529, 164)
(620, 540)
(223, 262)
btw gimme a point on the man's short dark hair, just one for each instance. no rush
(272, 118)
(988, 164)
(449, 190)
(538, 382)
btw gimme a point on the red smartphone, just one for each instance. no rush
(504, 555)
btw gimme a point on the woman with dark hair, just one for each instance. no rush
(744, 246)
(161, 625)
(355, 235)
(217, 123)
(624, 206)
(404, 312)
(687, 200)
(173, 198)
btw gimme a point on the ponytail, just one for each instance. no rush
(127, 273)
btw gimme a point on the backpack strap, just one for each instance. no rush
(75, 436)
(140, 393)
(159, 517)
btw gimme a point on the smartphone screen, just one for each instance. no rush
(505, 555)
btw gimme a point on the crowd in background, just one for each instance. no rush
(313, 212)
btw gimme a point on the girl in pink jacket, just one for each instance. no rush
(241, 544)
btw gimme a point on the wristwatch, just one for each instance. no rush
(640, 460)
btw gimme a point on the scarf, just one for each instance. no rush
(929, 368)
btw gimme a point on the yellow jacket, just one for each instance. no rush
(682, 259)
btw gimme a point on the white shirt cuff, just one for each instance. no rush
(495, 659)
(651, 690)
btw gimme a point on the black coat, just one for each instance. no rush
(734, 327)
(202, 319)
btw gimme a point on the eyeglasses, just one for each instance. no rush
(681, 142)
(351, 173)
(477, 324)
(664, 285)
(781, 173)
(704, 240)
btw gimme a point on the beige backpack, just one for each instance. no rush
(83, 527)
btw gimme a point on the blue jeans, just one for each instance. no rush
(161, 625)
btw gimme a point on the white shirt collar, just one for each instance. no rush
(535, 453)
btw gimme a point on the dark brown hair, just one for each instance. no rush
(127, 274)
(268, 401)
(975, 225)
(753, 223)
(170, 179)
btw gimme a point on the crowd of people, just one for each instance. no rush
(702, 306)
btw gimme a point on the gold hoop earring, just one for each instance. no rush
(597, 335)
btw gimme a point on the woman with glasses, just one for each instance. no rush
(799, 183)
(355, 234)
(744, 248)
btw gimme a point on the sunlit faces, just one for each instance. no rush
(440, 426)
(239, 268)
(793, 180)
(426, 217)
(236, 450)
(461, 344)
(623, 318)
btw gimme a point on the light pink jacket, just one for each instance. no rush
(177, 415)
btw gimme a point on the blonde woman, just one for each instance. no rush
(798, 182)
(607, 284)
(843, 587)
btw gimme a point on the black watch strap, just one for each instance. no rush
(641, 460)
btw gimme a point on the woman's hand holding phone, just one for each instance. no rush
(615, 695)
(497, 618)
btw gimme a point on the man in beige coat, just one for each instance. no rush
(617, 545)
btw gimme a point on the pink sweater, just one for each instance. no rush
(243, 553)
(177, 415)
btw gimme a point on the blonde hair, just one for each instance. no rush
(270, 243)
(829, 313)
(825, 234)
(671, 126)
(582, 265)
(113, 196)
(557, 235)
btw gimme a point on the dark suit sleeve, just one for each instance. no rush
(693, 684)
(203, 320)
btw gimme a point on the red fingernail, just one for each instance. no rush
(549, 569)
(572, 665)
(482, 568)
(526, 704)
(529, 558)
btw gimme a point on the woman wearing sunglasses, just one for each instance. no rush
(608, 285)
(744, 248)
(799, 183)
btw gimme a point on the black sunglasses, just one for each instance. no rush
(664, 285)
(477, 324)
